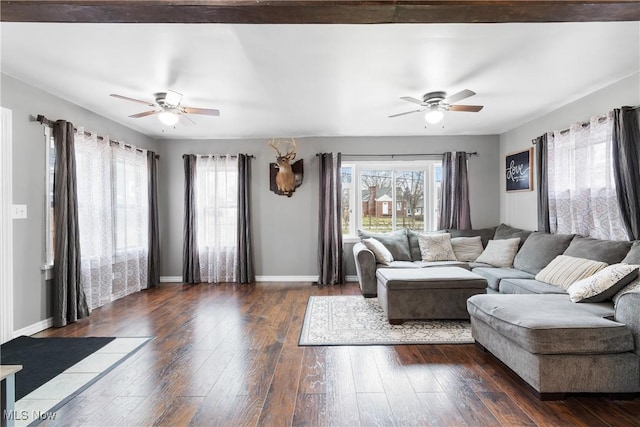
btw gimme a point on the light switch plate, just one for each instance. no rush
(19, 211)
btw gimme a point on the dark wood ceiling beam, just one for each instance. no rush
(317, 11)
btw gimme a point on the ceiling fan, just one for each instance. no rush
(436, 103)
(167, 107)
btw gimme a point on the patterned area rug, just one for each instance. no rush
(355, 320)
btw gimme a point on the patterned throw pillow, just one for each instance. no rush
(467, 248)
(565, 270)
(604, 284)
(382, 254)
(634, 286)
(436, 247)
(500, 253)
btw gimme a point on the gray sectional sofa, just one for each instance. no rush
(555, 345)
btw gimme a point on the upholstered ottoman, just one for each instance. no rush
(427, 293)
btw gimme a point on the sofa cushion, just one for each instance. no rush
(395, 241)
(434, 278)
(485, 234)
(429, 264)
(504, 231)
(382, 254)
(634, 286)
(414, 244)
(603, 285)
(552, 324)
(633, 257)
(528, 286)
(495, 275)
(436, 247)
(500, 253)
(467, 248)
(539, 250)
(608, 251)
(564, 270)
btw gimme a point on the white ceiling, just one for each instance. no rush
(321, 80)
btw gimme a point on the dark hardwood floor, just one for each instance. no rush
(228, 355)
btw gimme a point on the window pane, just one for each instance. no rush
(376, 199)
(346, 210)
(410, 200)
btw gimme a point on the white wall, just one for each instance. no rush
(285, 229)
(31, 292)
(520, 209)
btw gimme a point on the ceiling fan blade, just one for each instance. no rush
(458, 96)
(468, 108)
(144, 114)
(205, 111)
(186, 120)
(407, 112)
(150, 104)
(411, 99)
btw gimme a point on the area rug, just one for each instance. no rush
(44, 358)
(355, 320)
(41, 399)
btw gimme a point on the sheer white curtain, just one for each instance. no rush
(93, 170)
(131, 219)
(582, 193)
(113, 218)
(217, 217)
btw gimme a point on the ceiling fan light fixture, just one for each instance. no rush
(168, 118)
(434, 116)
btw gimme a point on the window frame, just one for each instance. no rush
(355, 196)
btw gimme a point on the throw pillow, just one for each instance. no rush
(500, 253)
(382, 254)
(604, 284)
(565, 270)
(634, 286)
(436, 247)
(485, 234)
(467, 248)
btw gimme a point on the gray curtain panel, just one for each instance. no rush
(626, 167)
(455, 211)
(190, 254)
(330, 256)
(245, 272)
(153, 263)
(542, 178)
(69, 300)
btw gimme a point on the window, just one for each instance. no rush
(50, 165)
(387, 196)
(216, 201)
(582, 192)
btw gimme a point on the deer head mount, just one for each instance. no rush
(285, 175)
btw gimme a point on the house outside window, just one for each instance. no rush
(387, 196)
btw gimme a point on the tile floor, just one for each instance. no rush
(38, 404)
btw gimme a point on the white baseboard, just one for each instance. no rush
(35, 328)
(178, 279)
(286, 278)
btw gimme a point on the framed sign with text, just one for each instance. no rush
(519, 171)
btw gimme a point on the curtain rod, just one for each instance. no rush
(47, 122)
(251, 156)
(474, 153)
(583, 124)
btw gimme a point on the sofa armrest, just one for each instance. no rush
(365, 269)
(627, 311)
